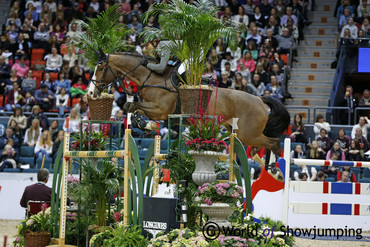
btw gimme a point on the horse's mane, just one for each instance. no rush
(136, 55)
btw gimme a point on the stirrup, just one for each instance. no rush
(141, 124)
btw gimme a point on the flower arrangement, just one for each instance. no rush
(177, 237)
(206, 133)
(72, 182)
(98, 141)
(228, 192)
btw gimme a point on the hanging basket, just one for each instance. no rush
(195, 98)
(100, 108)
(39, 239)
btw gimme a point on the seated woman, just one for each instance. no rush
(351, 174)
(48, 82)
(33, 134)
(54, 61)
(355, 152)
(310, 171)
(324, 141)
(336, 149)
(320, 124)
(8, 157)
(57, 143)
(297, 153)
(315, 152)
(62, 101)
(343, 140)
(53, 129)
(74, 121)
(44, 145)
(298, 130)
(62, 82)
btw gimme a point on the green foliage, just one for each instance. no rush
(98, 184)
(98, 141)
(197, 27)
(103, 32)
(119, 236)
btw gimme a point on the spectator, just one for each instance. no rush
(297, 153)
(293, 29)
(225, 81)
(324, 141)
(228, 70)
(17, 131)
(21, 67)
(82, 107)
(33, 133)
(336, 149)
(320, 124)
(363, 142)
(350, 101)
(37, 114)
(41, 37)
(29, 102)
(280, 8)
(134, 12)
(229, 59)
(344, 19)
(345, 6)
(321, 176)
(215, 59)
(9, 157)
(135, 23)
(44, 145)
(29, 83)
(20, 48)
(258, 19)
(62, 82)
(210, 73)
(54, 61)
(252, 151)
(78, 88)
(258, 84)
(298, 130)
(244, 71)
(254, 36)
(19, 118)
(53, 129)
(274, 88)
(365, 102)
(251, 47)
(14, 98)
(363, 10)
(57, 143)
(4, 71)
(264, 77)
(265, 8)
(44, 98)
(352, 28)
(13, 78)
(345, 177)
(363, 124)
(52, 43)
(355, 152)
(241, 17)
(221, 48)
(48, 82)
(71, 58)
(13, 19)
(248, 61)
(9, 135)
(62, 102)
(285, 42)
(311, 173)
(315, 152)
(272, 25)
(39, 191)
(343, 140)
(289, 14)
(120, 118)
(74, 122)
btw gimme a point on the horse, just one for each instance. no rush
(257, 126)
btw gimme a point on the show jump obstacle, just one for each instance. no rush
(349, 194)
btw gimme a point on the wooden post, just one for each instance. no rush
(63, 199)
(126, 177)
(232, 157)
(157, 149)
(43, 161)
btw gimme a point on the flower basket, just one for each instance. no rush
(101, 108)
(39, 239)
(218, 213)
(194, 98)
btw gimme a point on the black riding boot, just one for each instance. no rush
(137, 121)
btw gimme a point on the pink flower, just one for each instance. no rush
(117, 216)
(17, 239)
(44, 206)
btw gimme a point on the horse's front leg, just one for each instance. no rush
(142, 108)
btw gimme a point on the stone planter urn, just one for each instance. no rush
(218, 213)
(204, 166)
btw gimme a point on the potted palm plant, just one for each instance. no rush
(192, 30)
(105, 34)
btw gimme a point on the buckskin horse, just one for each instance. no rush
(257, 126)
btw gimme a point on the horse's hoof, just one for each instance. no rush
(152, 126)
(276, 174)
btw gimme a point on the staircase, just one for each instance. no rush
(311, 77)
(4, 11)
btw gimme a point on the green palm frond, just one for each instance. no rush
(103, 32)
(195, 25)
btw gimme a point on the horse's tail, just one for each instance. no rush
(279, 118)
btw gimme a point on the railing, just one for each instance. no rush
(308, 109)
(358, 109)
(331, 115)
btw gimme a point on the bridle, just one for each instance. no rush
(102, 85)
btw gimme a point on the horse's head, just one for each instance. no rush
(103, 74)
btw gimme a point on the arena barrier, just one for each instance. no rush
(346, 204)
